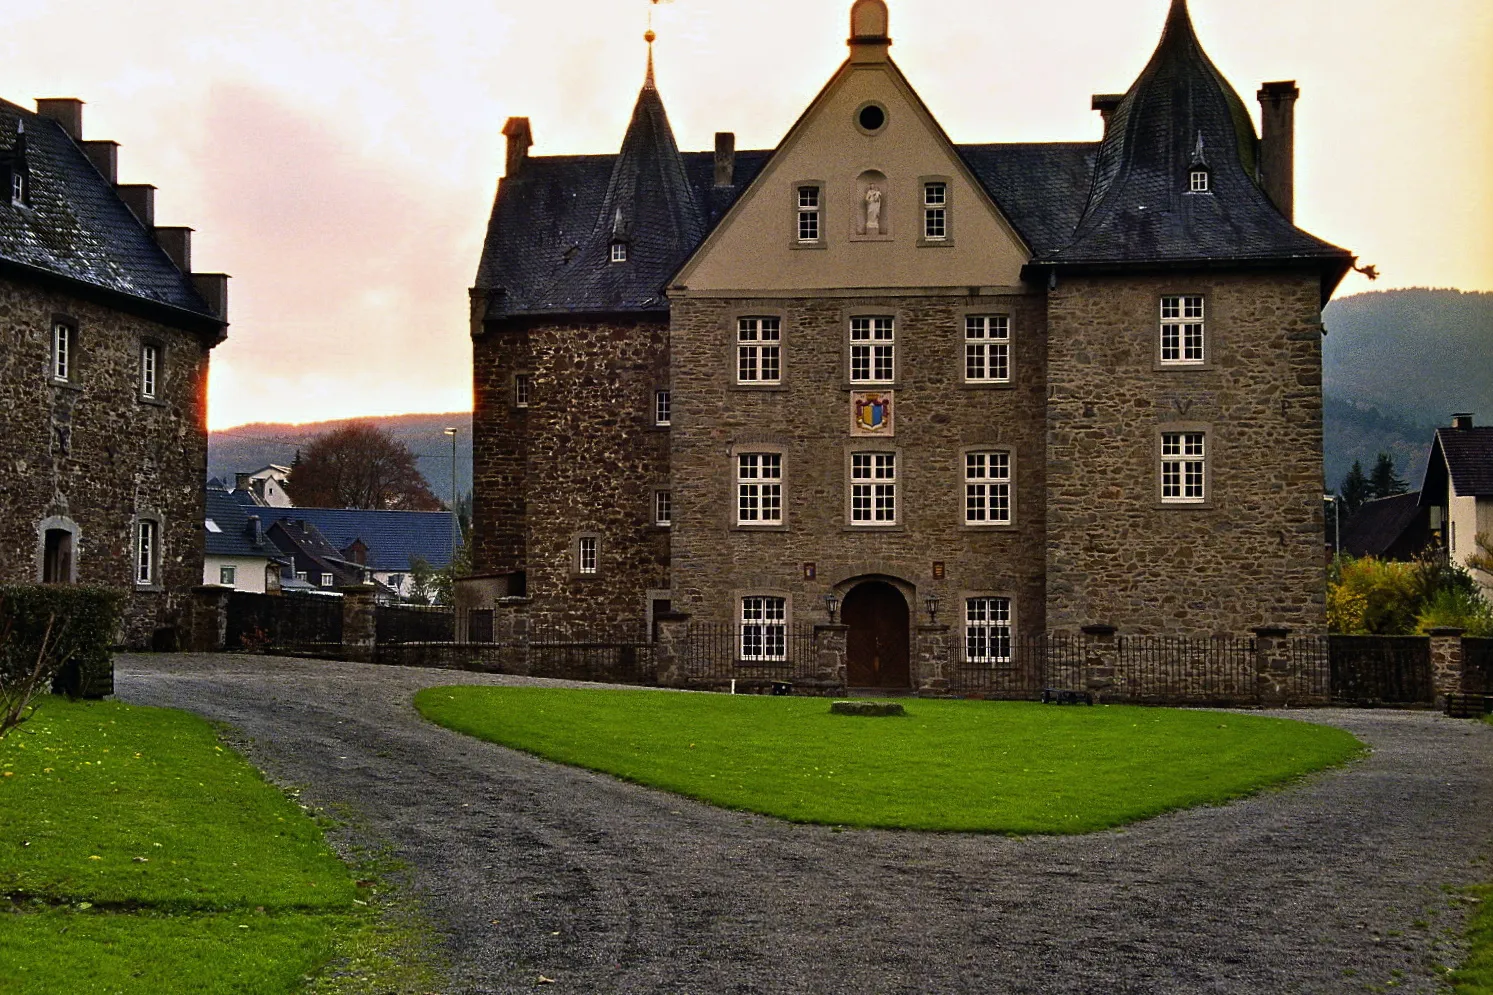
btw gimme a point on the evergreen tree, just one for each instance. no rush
(1354, 490)
(1384, 482)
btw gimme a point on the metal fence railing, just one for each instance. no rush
(1477, 666)
(291, 622)
(723, 652)
(1388, 669)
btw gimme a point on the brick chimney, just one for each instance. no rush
(1105, 104)
(1462, 420)
(520, 138)
(1278, 144)
(66, 111)
(725, 158)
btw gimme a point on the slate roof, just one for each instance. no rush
(1468, 456)
(1119, 202)
(392, 537)
(1378, 526)
(1138, 209)
(235, 535)
(75, 225)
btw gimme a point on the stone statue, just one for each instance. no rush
(873, 211)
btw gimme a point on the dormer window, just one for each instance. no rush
(1198, 181)
(17, 187)
(619, 252)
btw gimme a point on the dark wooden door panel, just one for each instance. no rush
(878, 642)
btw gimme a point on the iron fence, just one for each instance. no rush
(752, 653)
(1387, 669)
(395, 624)
(1477, 666)
(286, 623)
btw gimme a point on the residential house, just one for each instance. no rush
(264, 487)
(1002, 388)
(1458, 490)
(388, 543)
(107, 333)
(314, 560)
(238, 553)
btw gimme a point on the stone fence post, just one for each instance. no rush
(830, 640)
(670, 648)
(510, 628)
(1446, 663)
(1101, 660)
(359, 623)
(1273, 665)
(933, 659)
(208, 621)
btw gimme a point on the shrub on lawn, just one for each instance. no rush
(57, 637)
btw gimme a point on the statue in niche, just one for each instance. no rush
(873, 211)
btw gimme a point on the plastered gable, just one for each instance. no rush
(755, 248)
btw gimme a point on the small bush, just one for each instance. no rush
(58, 637)
(1367, 596)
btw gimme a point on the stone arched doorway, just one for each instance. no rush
(877, 645)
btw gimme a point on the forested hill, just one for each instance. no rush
(249, 447)
(1396, 365)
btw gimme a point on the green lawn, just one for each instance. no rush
(1475, 976)
(948, 765)
(141, 855)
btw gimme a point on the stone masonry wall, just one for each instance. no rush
(94, 453)
(593, 459)
(936, 416)
(499, 450)
(1252, 555)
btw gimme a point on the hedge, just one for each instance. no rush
(84, 625)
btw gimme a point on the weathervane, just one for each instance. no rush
(649, 36)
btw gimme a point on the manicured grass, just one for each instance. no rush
(1475, 976)
(139, 854)
(948, 765)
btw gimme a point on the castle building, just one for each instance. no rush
(106, 333)
(1027, 387)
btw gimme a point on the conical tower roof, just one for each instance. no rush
(1179, 114)
(649, 207)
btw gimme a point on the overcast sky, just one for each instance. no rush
(339, 157)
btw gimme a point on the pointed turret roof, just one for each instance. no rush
(1181, 113)
(650, 206)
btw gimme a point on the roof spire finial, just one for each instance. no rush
(649, 36)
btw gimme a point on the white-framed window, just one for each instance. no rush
(759, 488)
(228, 576)
(987, 488)
(586, 550)
(521, 390)
(873, 350)
(987, 630)
(663, 508)
(873, 488)
(619, 252)
(301, 575)
(935, 210)
(764, 628)
(1183, 465)
(808, 214)
(64, 339)
(18, 188)
(147, 538)
(327, 580)
(663, 408)
(987, 348)
(1198, 181)
(1182, 329)
(759, 350)
(150, 361)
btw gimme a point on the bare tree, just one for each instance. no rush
(22, 680)
(359, 466)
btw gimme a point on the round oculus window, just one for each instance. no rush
(872, 117)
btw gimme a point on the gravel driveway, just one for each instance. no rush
(1334, 885)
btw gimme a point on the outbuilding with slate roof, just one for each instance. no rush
(964, 394)
(103, 375)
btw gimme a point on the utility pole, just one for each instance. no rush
(455, 516)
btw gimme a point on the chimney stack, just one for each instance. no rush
(240, 481)
(104, 155)
(1278, 144)
(66, 111)
(1105, 104)
(177, 243)
(519, 139)
(725, 158)
(140, 198)
(1462, 420)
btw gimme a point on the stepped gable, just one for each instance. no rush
(75, 226)
(1178, 113)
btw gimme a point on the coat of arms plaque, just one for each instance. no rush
(871, 412)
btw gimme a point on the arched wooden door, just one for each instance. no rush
(877, 644)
